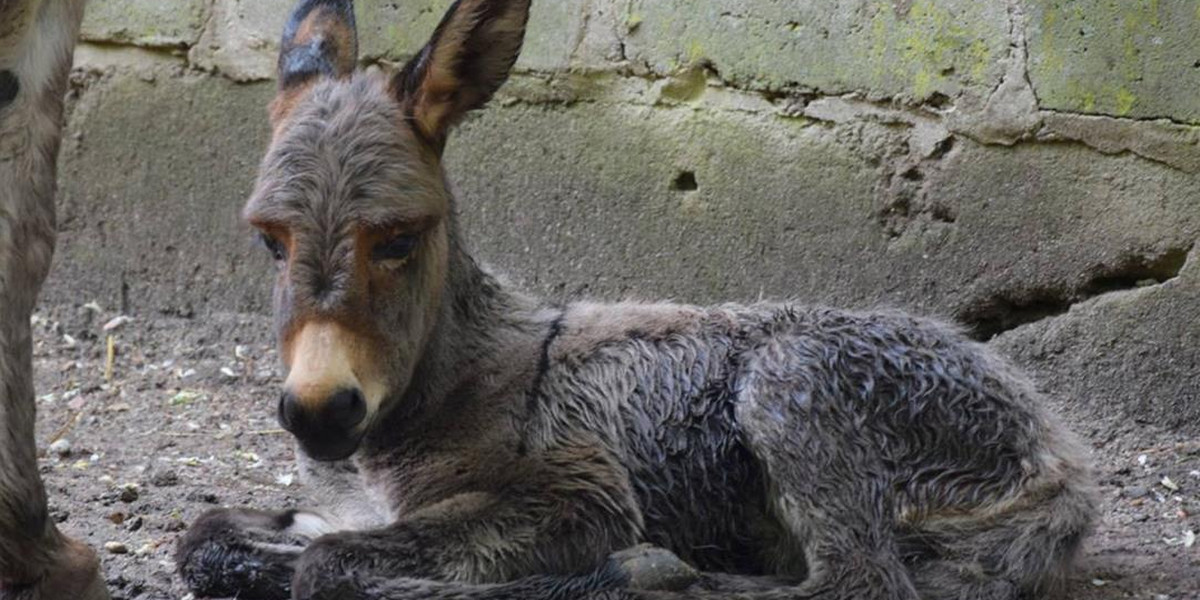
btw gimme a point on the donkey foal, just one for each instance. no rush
(467, 441)
(36, 43)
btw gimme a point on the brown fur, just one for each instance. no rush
(506, 447)
(36, 43)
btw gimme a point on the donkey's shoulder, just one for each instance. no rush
(586, 326)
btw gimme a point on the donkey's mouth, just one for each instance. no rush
(329, 449)
(328, 430)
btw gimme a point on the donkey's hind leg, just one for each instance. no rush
(246, 553)
(828, 486)
(1022, 553)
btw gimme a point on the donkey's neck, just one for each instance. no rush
(484, 327)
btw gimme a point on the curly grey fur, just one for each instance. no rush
(786, 451)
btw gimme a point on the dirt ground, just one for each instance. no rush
(185, 423)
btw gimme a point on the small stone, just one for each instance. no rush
(117, 323)
(205, 497)
(61, 448)
(652, 568)
(134, 524)
(1136, 491)
(129, 493)
(59, 515)
(116, 548)
(185, 397)
(165, 479)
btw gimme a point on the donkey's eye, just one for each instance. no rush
(397, 248)
(273, 246)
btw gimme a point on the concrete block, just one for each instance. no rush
(1126, 357)
(397, 30)
(242, 40)
(152, 178)
(164, 23)
(909, 50)
(1138, 58)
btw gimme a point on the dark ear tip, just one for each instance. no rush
(318, 44)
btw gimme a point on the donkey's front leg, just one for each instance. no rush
(556, 525)
(246, 553)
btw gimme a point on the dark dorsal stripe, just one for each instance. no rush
(534, 394)
(9, 87)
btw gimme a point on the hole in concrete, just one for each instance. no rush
(1010, 309)
(685, 181)
(942, 148)
(938, 100)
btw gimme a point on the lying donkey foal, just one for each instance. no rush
(467, 441)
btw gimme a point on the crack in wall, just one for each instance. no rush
(1009, 309)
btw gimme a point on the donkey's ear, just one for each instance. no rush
(319, 40)
(470, 55)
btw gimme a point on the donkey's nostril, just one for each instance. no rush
(325, 426)
(346, 409)
(287, 411)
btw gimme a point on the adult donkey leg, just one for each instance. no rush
(37, 38)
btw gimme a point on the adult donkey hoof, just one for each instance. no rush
(75, 575)
(652, 568)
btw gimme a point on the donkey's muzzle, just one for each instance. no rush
(327, 430)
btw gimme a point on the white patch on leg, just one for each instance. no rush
(278, 548)
(310, 525)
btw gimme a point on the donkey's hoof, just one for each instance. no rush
(652, 568)
(75, 574)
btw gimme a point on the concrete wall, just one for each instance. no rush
(1029, 168)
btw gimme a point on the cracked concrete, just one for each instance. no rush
(858, 152)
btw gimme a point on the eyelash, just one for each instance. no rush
(397, 248)
(278, 252)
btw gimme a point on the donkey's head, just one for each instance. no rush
(352, 205)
